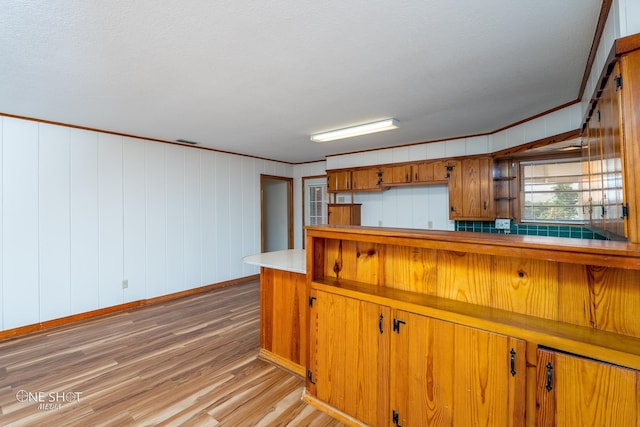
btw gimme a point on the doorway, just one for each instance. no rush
(276, 213)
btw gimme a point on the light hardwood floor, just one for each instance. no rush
(188, 362)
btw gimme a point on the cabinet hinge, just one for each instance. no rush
(625, 211)
(311, 299)
(395, 418)
(397, 323)
(310, 376)
(618, 81)
(449, 170)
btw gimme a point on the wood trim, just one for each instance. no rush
(508, 152)
(602, 20)
(164, 141)
(330, 410)
(289, 182)
(282, 362)
(74, 318)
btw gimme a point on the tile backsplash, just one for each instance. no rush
(573, 231)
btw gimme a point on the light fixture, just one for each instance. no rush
(357, 130)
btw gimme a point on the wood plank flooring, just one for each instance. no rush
(187, 362)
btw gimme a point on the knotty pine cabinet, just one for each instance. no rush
(344, 213)
(612, 135)
(430, 172)
(338, 181)
(444, 374)
(575, 391)
(462, 303)
(349, 357)
(366, 179)
(471, 189)
(396, 175)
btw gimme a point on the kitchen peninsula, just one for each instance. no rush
(283, 307)
(416, 327)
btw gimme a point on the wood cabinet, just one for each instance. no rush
(430, 172)
(575, 391)
(344, 213)
(338, 181)
(349, 359)
(366, 179)
(612, 135)
(471, 189)
(604, 142)
(443, 374)
(464, 312)
(396, 175)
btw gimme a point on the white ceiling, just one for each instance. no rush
(258, 77)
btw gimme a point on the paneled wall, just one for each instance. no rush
(82, 211)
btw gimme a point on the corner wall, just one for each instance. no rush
(82, 211)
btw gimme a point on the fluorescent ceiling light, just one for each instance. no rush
(358, 130)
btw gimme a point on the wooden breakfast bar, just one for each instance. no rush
(416, 328)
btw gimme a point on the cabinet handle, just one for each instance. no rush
(513, 363)
(380, 323)
(485, 205)
(549, 387)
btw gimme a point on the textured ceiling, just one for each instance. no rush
(258, 77)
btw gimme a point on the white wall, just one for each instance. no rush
(300, 171)
(82, 210)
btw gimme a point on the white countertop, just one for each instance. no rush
(294, 260)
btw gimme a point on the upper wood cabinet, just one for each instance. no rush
(612, 135)
(605, 161)
(366, 179)
(433, 171)
(471, 189)
(396, 174)
(338, 181)
(575, 391)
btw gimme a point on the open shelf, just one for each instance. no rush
(597, 344)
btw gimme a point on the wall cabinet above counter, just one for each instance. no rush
(469, 181)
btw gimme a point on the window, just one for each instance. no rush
(553, 191)
(315, 202)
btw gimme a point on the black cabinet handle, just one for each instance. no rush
(513, 363)
(549, 387)
(380, 323)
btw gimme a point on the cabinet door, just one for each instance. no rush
(574, 391)
(454, 176)
(338, 181)
(396, 174)
(470, 190)
(612, 191)
(365, 179)
(444, 374)
(349, 356)
(344, 214)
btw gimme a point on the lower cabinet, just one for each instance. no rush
(349, 356)
(443, 374)
(575, 391)
(389, 367)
